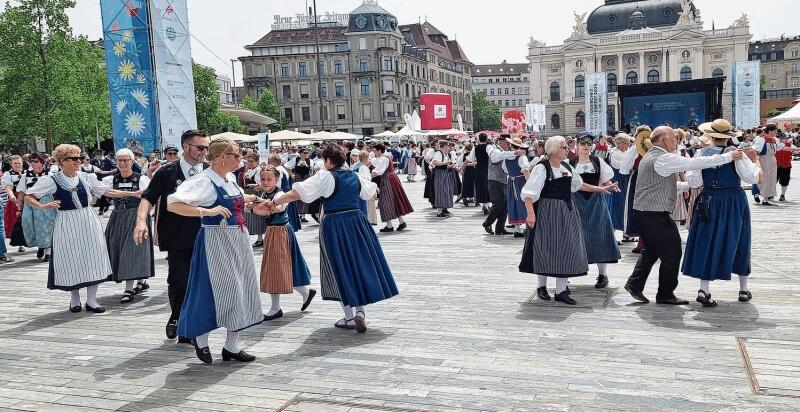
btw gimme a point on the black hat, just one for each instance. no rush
(170, 147)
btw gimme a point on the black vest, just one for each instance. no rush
(126, 184)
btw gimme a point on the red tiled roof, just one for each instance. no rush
(427, 36)
(302, 36)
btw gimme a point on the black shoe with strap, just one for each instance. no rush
(402, 227)
(704, 298)
(204, 354)
(241, 356)
(745, 296)
(94, 309)
(602, 282)
(141, 287)
(127, 296)
(542, 294)
(564, 297)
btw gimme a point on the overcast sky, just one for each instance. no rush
(499, 30)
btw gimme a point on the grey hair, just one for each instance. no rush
(124, 152)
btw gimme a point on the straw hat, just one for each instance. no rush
(718, 129)
(517, 142)
(643, 143)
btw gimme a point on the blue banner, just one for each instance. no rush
(126, 39)
(676, 110)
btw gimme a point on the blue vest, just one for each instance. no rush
(65, 196)
(346, 192)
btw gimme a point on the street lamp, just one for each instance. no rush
(233, 76)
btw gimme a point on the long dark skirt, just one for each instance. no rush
(444, 184)
(481, 185)
(555, 247)
(128, 260)
(468, 184)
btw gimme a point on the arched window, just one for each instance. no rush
(653, 76)
(580, 120)
(632, 78)
(580, 86)
(612, 82)
(555, 92)
(686, 73)
(555, 121)
(717, 73)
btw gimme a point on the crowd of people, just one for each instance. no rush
(566, 196)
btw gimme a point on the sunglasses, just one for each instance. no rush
(74, 158)
(172, 153)
(199, 147)
(585, 143)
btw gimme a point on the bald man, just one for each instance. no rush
(653, 202)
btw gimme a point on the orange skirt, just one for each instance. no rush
(276, 265)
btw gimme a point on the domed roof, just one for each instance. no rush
(616, 15)
(372, 17)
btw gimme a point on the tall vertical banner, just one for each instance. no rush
(746, 94)
(173, 67)
(596, 104)
(534, 116)
(126, 40)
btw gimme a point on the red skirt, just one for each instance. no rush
(392, 199)
(10, 218)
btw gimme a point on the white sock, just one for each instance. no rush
(348, 311)
(561, 285)
(783, 190)
(260, 237)
(129, 284)
(441, 210)
(202, 341)
(389, 224)
(232, 342)
(75, 298)
(542, 281)
(705, 286)
(276, 304)
(361, 309)
(602, 268)
(91, 296)
(743, 283)
(303, 291)
(518, 228)
(400, 219)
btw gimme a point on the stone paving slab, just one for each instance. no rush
(463, 335)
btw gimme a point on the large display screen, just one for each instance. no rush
(676, 110)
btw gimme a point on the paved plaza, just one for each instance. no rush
(463, 335)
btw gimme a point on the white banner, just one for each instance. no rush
(746, 94)
(173, 67)
(534, 116)
(596, 105)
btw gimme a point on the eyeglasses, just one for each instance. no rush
(74, 158)
(234, 155)
(171, 153)
(585, 143)
(124, 160)
(199, 147)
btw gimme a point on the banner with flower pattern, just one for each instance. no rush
(130, 73)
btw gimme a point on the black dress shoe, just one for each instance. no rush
(182, 339)
(745, 296)
(443, 214)
(567, 290)
(387, 230)
(782, 198)
(485, 210)
(602, 281)
(304, 220)
(204, 354)
(39, 253)
(673, 301)
(766, 203)
(565, 298)
(258, 243)
(75, 309)
(96, 309)
(757, 199)
(509, 226)
(276, 315)
(705, 299)
(502, 233)
(172, 329)
(637, 294)
(542, 294)
(311, 294)
(402, 227)
(242, 356)
(519, 234)
(488, 229)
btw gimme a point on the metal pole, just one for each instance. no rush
(319, 75)
(233, 77)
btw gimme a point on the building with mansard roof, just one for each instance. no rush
(506, 84)
(371, 70)
(632, 41)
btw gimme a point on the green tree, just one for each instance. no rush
(763, 82)
(268, 106)
(486, 114)
(52, 84)
(774, 112)
(210, 118)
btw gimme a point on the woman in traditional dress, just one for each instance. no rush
(292, 211)
(223, 282)
(250, 178)
(598, 233)
(516, 169)
(554, 246)
(467, 166)
(130, 263)
(11, 219)
(444, 183)
(301, 169)
(630, 167)
(354, 270)
(283, 267)
(37, 224)
(392, 200)
(430, 171)
(411, 165)
(79, 255)
(616, 200)
(360, 161)
(766, 146)
(719, 238)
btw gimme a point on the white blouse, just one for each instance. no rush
(522, 161)
(439, 156)
(144, 182)
(616, 157)
(533, 187)
(380, 164)
(627, 162)
(322, 184)
(9, 180)
(47, 186)
(745, 168)
(200, 189)
(606, 173)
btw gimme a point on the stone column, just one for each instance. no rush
(642, 74)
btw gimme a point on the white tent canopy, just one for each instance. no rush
(791, 115)
(387, 133)
(287, 135)
(322, 135)
(237, 137)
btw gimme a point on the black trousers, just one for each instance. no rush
(499, 212)
(661, 242)
(178, 262)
